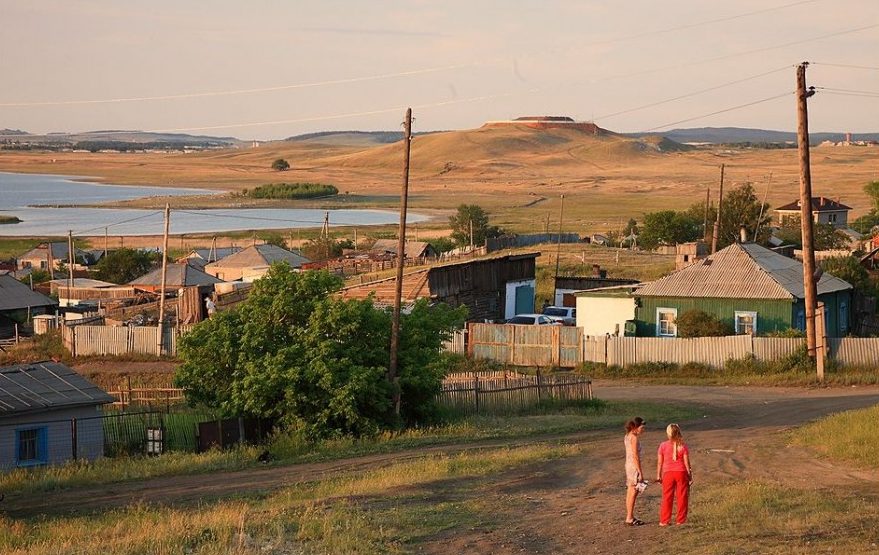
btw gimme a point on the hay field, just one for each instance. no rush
(516, 173)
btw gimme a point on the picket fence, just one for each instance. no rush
(510, 392)
(567, 347)
(86, 340)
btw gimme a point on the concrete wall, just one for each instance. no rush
(59, 440)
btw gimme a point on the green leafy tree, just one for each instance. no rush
(698, 323)
(123, 265)
(467, 215)
(323, 248)
(825, 236)
(741, 207)
(273, 238)
(867, 222)
(668, 227)
(848, 268)
(36, 276)
(294, 352)
(442, 244)
(280, 165)
(871, 189)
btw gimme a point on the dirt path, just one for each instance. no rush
(738, 437)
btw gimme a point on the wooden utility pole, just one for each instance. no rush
(471, 235)
(106, 241)
(716, 233)
(401, 250)
(762, 206)
(50, 260)
(70, 260)
(558, 249)
(809, 280)
(160, 329)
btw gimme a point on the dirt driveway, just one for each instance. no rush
(738, 437)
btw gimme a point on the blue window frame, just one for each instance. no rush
(31, 446)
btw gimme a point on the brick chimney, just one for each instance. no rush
(596, 270)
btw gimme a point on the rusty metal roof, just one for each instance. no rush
(741, 271)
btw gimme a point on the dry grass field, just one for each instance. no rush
(518, 174)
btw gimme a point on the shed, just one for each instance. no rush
(491, 288)
(414, 249)
(566, 287)
(49, 414)
(18, 302)
(750, 287)
(179, 275)
(606, 310)
(233, 267)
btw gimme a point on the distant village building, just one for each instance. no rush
(38, 257)
(689, 253)
(178, 276)
(18, 303)
(204, 256)
(566, 287)
(824, 211)
(253, 262)
(49, 414)
(89, 291)
(414, 249)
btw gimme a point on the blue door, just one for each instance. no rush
(524, 299)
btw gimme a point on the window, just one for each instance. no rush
(843, 318)
(746, 323)
(31, 447)
(665, 322)
(831, 218)
(801, 319)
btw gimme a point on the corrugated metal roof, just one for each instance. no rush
(45, 385)
(15, 295)
(741, 271)
(179, 275)
(218, 253)
(260, 255)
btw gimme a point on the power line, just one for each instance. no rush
(849, 91)
(98, 228)
(719, 111)
(247, 91)
(851, 66)
(852, 94)
(240, 217)
(691, 94)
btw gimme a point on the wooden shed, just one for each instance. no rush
(491, 288)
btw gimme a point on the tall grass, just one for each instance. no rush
(849, 436)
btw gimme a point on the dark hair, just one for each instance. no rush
(634, 424)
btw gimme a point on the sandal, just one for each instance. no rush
(636, 522)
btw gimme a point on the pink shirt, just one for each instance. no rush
(666, 451)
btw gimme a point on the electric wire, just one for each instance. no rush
(259, 218)
(848, 91)
(129, 220)
(850, 66)
(730, 109)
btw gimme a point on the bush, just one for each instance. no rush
(280, 165)
(292, 191)
(698, 323)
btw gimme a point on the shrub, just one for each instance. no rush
(280, 165)
(292, 191)
(698, 323)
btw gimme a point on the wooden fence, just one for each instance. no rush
(147, 396)
(506, 393)
(519, 345)
(85, 340)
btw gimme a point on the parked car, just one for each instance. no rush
(566, 315)
(531, 320)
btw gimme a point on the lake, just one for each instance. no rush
(19, 193)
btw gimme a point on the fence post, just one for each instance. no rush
(539, 393)
(240, 430)
(73, 341)
(16, 334)
(476, 391)
(74, 441)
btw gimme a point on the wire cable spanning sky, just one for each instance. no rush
(270, 71)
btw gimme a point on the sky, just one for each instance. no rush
(273, 69)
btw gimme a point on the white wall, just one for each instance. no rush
(603, 315)
(510, 304)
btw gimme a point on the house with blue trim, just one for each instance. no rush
(49, 414)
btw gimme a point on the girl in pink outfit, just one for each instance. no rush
(674, 471)
(634, 475)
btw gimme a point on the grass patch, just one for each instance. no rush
(848, 436)
(755, 517)
(378, 511)
(292, 191)
(795, 370)
(9, 220)
(291, 447)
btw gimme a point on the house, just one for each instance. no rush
(202, 257)
(49, 414)
(750, 287)
(178, 276)
(413, 251)
(491, 288)
(566, 287)
(38, 257)
(824, 211)
(607, 310)
(18, 303)
(253, 262)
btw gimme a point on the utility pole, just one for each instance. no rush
(716, 233)
(401, 249)
(160, 329)
(70, 261)
(762, 206)
(558, 249)
(471, 235)
(106, 241)
(809, 280)
(50, 260)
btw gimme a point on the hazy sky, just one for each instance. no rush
(356, 65)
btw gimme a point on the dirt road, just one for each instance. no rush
(738, 437)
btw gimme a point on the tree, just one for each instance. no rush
(467, 215)
(698, 323)
(273, 238)
(123, 265)
(294, 352)
(280, 165)
(741, 207)
(325, 247)
(36, 276)
(668, 227)
(871, 189)
(849, 269)
(825, 236)
(867, 222)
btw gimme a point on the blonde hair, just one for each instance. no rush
(673, 431)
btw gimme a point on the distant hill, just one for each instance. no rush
(118, 136)
(727, 135)
(353, 138)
